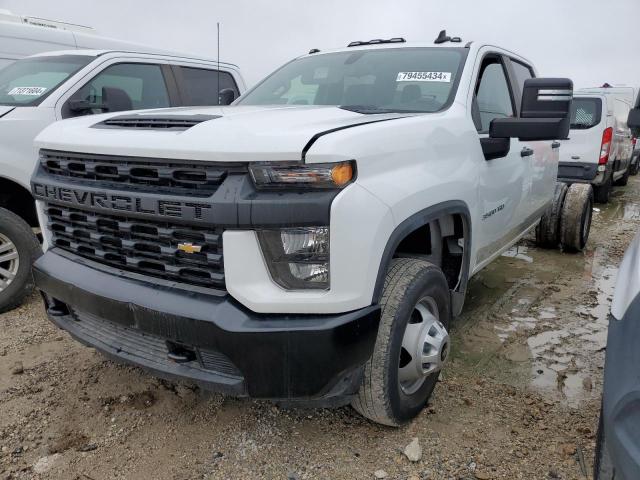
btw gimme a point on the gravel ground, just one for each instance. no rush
(519, 399)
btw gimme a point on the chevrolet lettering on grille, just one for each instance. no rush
(123, 202)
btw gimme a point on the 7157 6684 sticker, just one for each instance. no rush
(28, 91)
(423, 77)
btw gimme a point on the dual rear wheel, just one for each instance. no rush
(567, 221)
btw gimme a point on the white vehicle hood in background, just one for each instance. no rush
(241, 134)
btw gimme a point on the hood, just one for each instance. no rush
(224, 134)
(5, 109)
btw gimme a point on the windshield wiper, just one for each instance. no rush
(373, 109)
(366, 109)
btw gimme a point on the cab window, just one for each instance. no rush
(522, 72)
(132, 86)
(492, 97)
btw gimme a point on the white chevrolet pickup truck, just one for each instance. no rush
(39, 90)
(312, 242)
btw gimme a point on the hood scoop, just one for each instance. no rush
(148, 122)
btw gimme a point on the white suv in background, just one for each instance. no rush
(39, 90)
(599, 148)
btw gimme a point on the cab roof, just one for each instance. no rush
(158, 53)
(471, 45)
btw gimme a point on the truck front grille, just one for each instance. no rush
(165, 177)
(157, 249)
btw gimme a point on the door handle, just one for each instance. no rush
(526, 152)
(555, 144)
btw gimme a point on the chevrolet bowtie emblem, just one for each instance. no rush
(189, 248)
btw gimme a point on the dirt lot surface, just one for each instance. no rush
(519, 399)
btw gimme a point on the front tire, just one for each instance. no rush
(411, 346)
(19, 248)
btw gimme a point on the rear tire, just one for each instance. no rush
(624, 179)
(19, 248)
(601, 193)
(575, 222)
(548, 230)
(633, 168)
(388, 394)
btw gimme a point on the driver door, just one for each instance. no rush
(504, 183)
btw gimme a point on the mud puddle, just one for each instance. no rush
(538, 318)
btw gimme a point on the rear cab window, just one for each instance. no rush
(201, 87)
(585, 113)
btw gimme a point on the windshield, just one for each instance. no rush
(29, 81)
(585, 113)
(367, 81)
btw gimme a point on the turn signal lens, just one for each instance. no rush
(342, 174)
(296, 175)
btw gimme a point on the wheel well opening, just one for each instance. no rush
(17, 199)
(441, 242)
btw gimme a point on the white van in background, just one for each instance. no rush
(22, 36)
(39, 90)
(600, 146)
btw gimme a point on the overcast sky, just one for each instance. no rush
(587, 40)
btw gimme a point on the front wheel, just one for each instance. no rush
(412, 343)
(19, 248)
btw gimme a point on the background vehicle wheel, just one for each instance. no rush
(601, 193)
(624, 179)
(633, 168)
(602, 465)
(411, 346)
(548, 230)
(575, 221)
(19, 248)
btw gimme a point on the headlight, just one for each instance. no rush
(298, 258)
(321, 175)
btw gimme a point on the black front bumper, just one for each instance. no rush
(221, 345)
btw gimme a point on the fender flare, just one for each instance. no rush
(417, 220)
